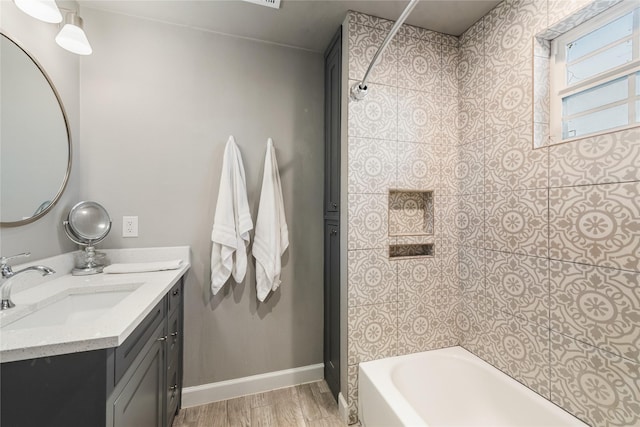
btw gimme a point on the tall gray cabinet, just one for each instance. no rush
(332, 116)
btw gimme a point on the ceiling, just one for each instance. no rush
(306, 24)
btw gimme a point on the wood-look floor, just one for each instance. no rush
(305, 405)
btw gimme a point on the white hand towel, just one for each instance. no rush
(272, 236)
(232, 221)
(142, 267)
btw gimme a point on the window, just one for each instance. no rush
(595, 74)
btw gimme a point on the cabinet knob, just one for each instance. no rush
(164, 338)
(176, 292)
(335, 205)
(334, 232)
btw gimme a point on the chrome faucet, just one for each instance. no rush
(8, 273)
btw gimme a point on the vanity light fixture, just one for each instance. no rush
(44, 10)
(72, 37)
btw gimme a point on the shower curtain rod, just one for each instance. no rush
(359, 90)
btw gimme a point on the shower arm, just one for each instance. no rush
(359, 90)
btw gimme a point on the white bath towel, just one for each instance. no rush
(142, 267)
(232, 221)
(272, 236)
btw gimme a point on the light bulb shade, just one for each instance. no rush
(72, 37)
(44, 10)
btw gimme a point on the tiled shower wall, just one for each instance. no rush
(537, 251)
(549, 238)
(402, 136)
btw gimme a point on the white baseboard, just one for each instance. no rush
(343, 408)
(223, 390)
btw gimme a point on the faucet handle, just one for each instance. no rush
(5, 259)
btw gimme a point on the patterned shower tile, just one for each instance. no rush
(449, 40)
(450, 61)
(410, 213)
(509, 102)
(521, 349)
(372, 279)
(363, 45)
(376, 115)
(517, 222)
(471, 269)
(368, 221)
(598, 387)
(541, 135)
(447, 232)
(418, 166)
(470, 70)
(449, 286)
(412, 240)
(519, 285)
(470, 323)
(418, 116)
(491, 318)
(565, 15)
(373, 332)
(418, 279)
(609, 158)
(372, 165)
(358, 18)
(418, 326)
(449, 183)
(419, 65)
(513, 164)
(600, 306)
(470, 220)
(352, 393)
(563, 9)
(470, 168)
(474, 34)
(471, 119)
(509, 30)
(596, 224)
(541, 100)
(420, 33)
(449, 133)
(449, 333)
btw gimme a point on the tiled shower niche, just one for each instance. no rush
(410, 223)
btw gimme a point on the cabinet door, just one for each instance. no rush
(332, 117)
(140, 403)
(332, 306)
(174, 364)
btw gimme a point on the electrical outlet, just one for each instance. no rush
(129, 226)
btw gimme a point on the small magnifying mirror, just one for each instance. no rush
(87, 224)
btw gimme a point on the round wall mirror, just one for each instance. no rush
(35, 149)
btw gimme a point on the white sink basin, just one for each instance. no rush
(72, 307)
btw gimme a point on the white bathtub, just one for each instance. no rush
(449, 387)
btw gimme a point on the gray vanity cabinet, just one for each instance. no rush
(140, 401)
(150, 362)
(140, 381)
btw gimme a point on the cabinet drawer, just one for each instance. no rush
(173, 390)
(127, 352)
(175, 296)
(174, 335)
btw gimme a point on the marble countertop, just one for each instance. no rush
(109, 329)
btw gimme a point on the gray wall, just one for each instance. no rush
(45, 237)
(158, 104)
